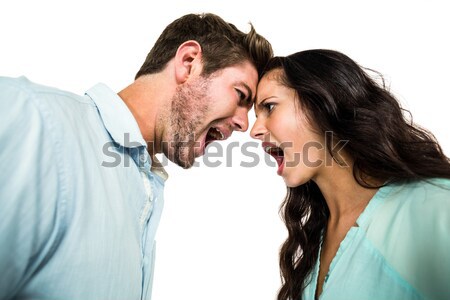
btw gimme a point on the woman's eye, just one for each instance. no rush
(269, 106)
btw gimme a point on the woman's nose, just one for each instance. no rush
(258, 130)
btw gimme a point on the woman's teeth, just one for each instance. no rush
(273, 150)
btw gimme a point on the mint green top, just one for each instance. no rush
(400, 249)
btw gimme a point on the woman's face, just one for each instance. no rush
(285, 132)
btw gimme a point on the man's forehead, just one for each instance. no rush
(247, 72)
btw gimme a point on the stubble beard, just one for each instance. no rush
(190, 103)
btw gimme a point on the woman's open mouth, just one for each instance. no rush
(275, 152)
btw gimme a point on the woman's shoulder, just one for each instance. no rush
(432, 185)
(429, 194)
(415, 208)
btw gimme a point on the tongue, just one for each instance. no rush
(278, 155)
(279, 159)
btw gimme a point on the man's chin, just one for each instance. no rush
(184, 159)
(185, 163)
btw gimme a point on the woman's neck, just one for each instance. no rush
(345, 197)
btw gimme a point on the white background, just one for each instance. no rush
(220, 231)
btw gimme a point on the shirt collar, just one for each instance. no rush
(116, 116)
(120, 123)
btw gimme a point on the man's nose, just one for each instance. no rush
(240, 119)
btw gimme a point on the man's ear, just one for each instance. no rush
(188, 60)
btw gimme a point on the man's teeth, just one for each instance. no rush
(217, 134)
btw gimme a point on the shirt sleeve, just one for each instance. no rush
(31, 189)
(412, 231)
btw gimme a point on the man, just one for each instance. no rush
(81, 191)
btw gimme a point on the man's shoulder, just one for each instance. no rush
(23, 84)
(21, 88)
(20, 97)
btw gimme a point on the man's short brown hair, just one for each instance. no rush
(223, 45)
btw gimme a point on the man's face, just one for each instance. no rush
(205, 109)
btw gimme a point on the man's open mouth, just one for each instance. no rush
(214, 134)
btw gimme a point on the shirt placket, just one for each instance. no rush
(146, 212)
(148, 205)
(141, 159)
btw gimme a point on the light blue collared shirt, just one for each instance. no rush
(79, 202)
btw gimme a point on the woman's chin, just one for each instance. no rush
(292, 182)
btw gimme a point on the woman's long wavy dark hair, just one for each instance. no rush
(338, 96)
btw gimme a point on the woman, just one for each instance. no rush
(368, 202)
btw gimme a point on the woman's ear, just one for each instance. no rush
(188, 60)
